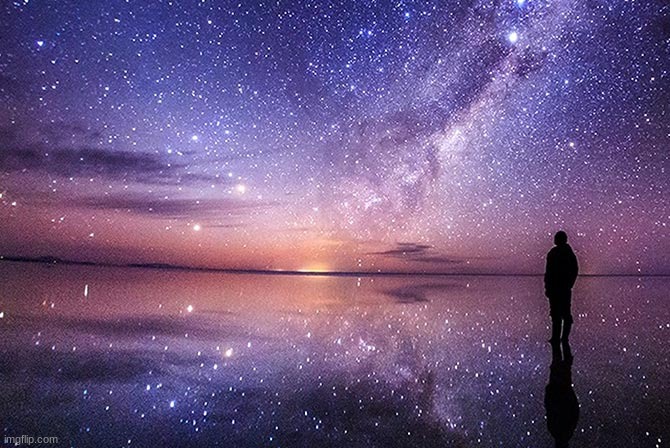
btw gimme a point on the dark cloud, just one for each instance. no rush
(438, 259)
(116, 366)
(87, 161)
(423, 253)
(102, 367)
(71, 150)
(168, 326)
(417, 293)
(197, 325)
(176, 208)
(404, 249)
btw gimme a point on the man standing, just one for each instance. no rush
(559, 278)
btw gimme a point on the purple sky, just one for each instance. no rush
(421, 136)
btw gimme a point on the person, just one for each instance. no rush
(560, 401)
(559, 278)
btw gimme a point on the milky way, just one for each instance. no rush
(429, 136)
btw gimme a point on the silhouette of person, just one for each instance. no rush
(560, 400)
(559, 278)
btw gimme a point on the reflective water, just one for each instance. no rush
(136, 357)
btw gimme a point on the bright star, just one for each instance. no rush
(197, 227)
(513, 37)
(40, 43)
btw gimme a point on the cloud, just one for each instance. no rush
(422, 253)
(73, 150)
(144, 326)
(438, 259)
(418, 293)
(175, 208)
(79, 366)
(217, 210)
(86, 161)
(403, 249)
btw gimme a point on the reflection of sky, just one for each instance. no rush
(426, 136)
(280, 361)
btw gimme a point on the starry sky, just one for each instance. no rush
(368, 135)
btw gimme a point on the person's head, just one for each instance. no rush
(560, 238)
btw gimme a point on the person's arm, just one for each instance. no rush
(575, 270)
(547, 274)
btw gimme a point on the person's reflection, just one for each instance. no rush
(560, 400)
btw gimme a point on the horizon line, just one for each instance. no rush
(51, 260)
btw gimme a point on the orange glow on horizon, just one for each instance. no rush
(315, 267)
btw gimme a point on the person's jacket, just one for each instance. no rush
(561, 272)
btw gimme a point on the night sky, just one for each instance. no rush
(416, 136)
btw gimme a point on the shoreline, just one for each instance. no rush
(50, 261)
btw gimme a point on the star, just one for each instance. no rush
(142, 122)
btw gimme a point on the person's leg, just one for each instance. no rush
(555, 313)
(567, 352)
(555, 330)
(567, 316)
(567, 326)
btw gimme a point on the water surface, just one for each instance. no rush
(104, 356)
